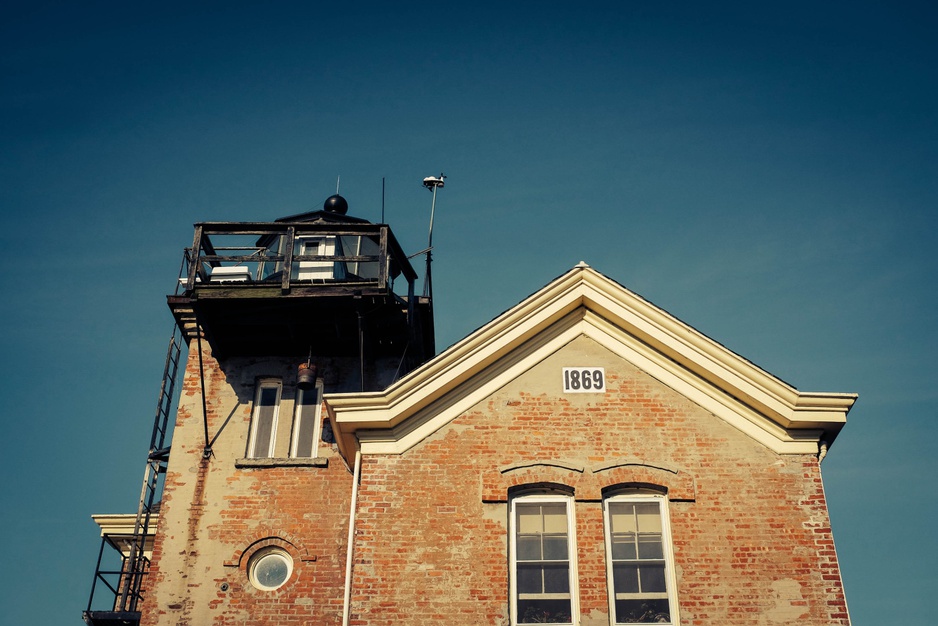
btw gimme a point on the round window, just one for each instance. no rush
(270, 569)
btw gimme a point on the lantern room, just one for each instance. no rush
(321, 281)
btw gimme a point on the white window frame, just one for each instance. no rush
(667, 556)
(543, 498)
(263, 384)
(299, 417)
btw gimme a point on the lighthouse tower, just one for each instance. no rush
(253, 488)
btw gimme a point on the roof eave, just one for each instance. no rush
(794, 416)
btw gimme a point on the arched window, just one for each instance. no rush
(639, 559)
(543, 563)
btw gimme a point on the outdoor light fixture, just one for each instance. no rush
(306, 373)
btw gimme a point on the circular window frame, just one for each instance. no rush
(267, 555)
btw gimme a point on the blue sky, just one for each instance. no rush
(764, 171)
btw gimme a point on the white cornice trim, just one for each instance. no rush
(118, 530)
(121, 523)
(585, 302)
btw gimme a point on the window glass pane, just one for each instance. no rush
(529, 578)
(304, 436)
(649, 519)
(529, 519)
(265, 414)
(544, 612)
(529, 548)
(625, 578)
(642, 612)
(622, 516)
(555, 518)
(272, 570)
(265, 411)
(265, 425)
(623, 547)
(556, 578)
(268, 398)
(307, 406)
(309, 397)
(263, 431)
(649, 547)
(555, 548)
(269, 569)
(652, 578)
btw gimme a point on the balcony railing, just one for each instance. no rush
(242, 257)
(118, 586)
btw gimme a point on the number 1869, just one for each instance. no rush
(584, 380)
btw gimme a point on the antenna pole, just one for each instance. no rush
(427, 282)
(432, 184)
(432, 211)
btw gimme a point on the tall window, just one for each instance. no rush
(306, 423)
(543, 580)
(638, 553)
(264, 419)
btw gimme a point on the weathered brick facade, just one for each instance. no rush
(215, 515)
(443, 451)
(752, 539)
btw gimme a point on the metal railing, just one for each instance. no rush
(291, 255)
(125, 583)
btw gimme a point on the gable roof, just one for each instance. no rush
(585, 302)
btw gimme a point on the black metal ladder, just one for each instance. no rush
(128, 592)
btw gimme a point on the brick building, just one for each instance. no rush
(585, 458)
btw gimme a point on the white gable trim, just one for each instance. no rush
(583, 302)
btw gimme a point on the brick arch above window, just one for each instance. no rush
(589, 483)
(678, 484)
(241, 557)
(561, 475)
(541, 488)
(565, 465)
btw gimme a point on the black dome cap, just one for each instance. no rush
(335, 204)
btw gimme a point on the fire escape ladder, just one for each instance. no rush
(129, 589)
(138, 563)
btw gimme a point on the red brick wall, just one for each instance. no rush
(751, 536)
